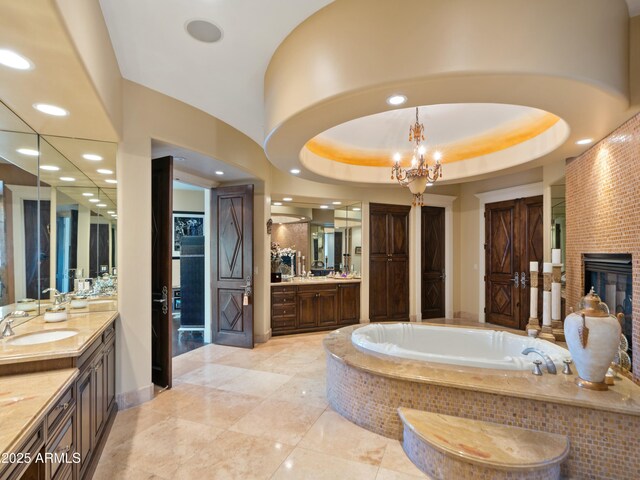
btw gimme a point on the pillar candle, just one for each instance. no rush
(533, 305)
(546, 308)
(555, 301)
(547, 267)
(556, 256)
(533, 266)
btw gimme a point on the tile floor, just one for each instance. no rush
(248, 414)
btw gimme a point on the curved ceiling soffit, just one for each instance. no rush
(318, 80)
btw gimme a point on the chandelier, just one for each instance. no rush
(421, 175)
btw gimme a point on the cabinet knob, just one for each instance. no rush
(63, 406)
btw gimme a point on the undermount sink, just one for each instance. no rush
(41, 337)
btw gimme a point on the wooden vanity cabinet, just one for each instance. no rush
(96, 400)
(309, 308)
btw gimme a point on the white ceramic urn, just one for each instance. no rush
(593, 336)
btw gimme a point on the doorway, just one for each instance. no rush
(513, 238)
(433, 273)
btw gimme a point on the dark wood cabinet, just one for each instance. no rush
(389, 262)
(349, 302)
(96, 400)
(317, 307)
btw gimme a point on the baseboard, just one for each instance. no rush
(466, 316)
(262, 338)
(135, 397)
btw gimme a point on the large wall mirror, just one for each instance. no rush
(58, 217)
(328, 236)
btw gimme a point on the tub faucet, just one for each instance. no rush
(551, 367)
(8, 320)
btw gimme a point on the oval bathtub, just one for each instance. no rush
(468, 347)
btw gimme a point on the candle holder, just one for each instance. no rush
(547, 331)
(557, 325)
(533, 327)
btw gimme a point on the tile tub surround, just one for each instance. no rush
(600, 425)
(603, 195)
(89, 326)
(452, 447)
(24, 399)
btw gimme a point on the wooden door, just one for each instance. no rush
(531, 214)
(232, 259)
(432, 253)
(389, 262)
(513, 231)
(161, 233)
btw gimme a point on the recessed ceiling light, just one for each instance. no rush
(277, 204)
(114, 215)
(92, 156)
(287, 199)
(324, 206)
(67, 179)
(429, 184)
(101, 204)
(111, 180)
(303, 218)
(28, 151)
(104, 171)
(49, 168)
(219, 172)
(111, 212)
(87, 194)
(295, 171)
(94, 200)
(396, 100)
(356, 209)
(204, 31)
(50, 109)
(584, 141)
(336, 203)
(11, 59)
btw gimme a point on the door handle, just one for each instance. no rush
(247, 291)
(444, 275)
(516, 280)
(523, 280)
(163, 300)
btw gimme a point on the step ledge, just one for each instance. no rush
(421, 423)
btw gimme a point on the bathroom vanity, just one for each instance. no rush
(304, 306)
(61, 395)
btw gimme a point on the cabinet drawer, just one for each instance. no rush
(283, 310)
(332, 287)
(290, 290)
(62, 406)
(283, 298)
(61, 447)
(108, 333)
(283, 323)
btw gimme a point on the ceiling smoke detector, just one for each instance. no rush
(204, 31)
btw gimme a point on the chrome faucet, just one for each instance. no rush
(8, 320)
(551, 367)
(58, 298)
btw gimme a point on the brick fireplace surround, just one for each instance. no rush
(603, 212)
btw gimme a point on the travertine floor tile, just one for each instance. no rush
(238, 456)
(280, 421)
(112, 471)
(252, 382)
(304, 390)
(334, 435)
(211, 375)
(395, 459)
(385, 474)
(304, 464)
